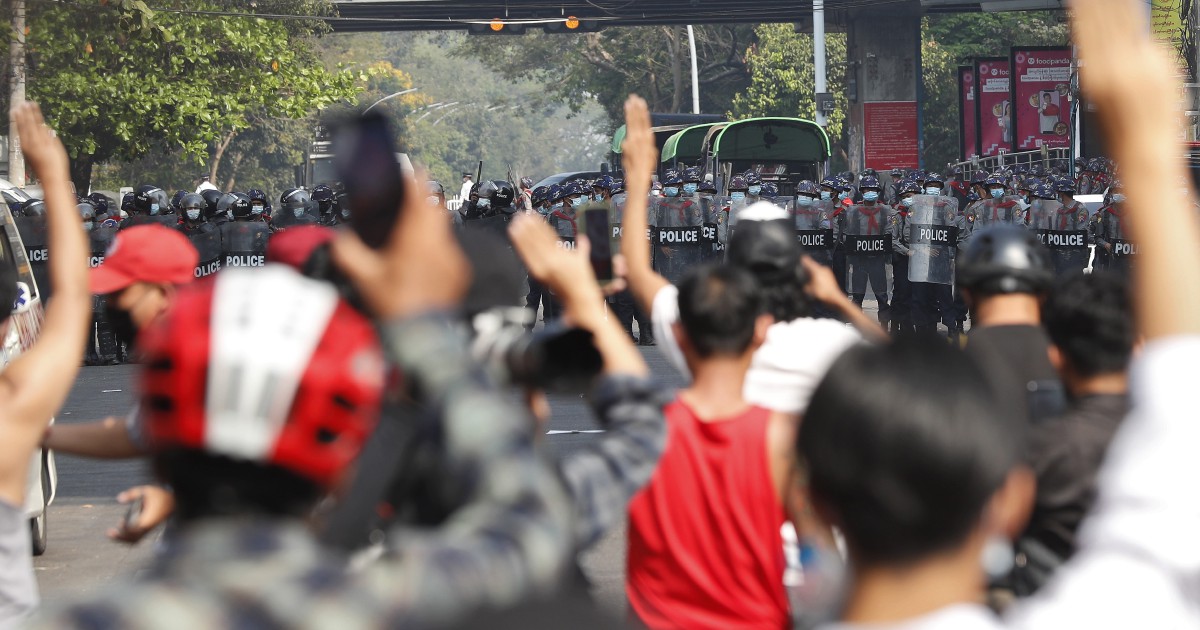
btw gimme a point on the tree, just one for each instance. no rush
(783, 82)
(119, 80)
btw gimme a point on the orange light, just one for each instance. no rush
(572, 22)
(497, 25)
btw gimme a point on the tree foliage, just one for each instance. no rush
(119, 80)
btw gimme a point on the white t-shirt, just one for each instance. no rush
(787, 368)
(957, 617)
(465, 190)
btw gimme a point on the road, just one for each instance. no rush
(81, 559)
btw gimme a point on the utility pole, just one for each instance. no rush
(16, 54)
(819, 79)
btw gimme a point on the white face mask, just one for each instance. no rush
(193, 215)
(298, 212)
(933, 190)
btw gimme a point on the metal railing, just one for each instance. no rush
(1043, 157)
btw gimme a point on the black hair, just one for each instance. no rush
(718, 306)
(207, 485)
(903, 449)
(785, 294)
(1089, 317)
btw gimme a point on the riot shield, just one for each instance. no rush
(814, 232)
(868, 247)
(676, 245)
(783, 202)
(1006, 210)
(563, 221)
(1124, 251)
(165, 220)
(283, 219)
(99, 240)
(244, 244)
(618, 219)
(33, 235)
(1064, 231)
(496, 226)
(711, 217)
(208, 245)
(933, 238)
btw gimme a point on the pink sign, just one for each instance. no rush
(1041, 83)
(890, 138)
(967, 138)
(994, 100)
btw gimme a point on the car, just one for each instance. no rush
(27, 316)
(570, 177)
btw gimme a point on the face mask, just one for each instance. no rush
(737, 196)
(229, 215)
(193, 215)
(805, 201)
(907, 202)
(483, 203)
(153, 209)
(1118, 198)
(298, 212)
(671, 191)
(826, 195)
(557, 205)
(933, 190)
(120, 323)
(256, 209)
(870, 195)
(754, 190)
(691, 188)
(997, 193)
(578, 201)
(845, 194)
(87, 226)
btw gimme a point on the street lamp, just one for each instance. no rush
(390, 97)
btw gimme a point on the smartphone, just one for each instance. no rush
(369, 169)
(596, 218)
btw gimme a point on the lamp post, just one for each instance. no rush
(390, 97)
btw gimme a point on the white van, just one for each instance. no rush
(27, 317)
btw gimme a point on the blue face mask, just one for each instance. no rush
(754, 190)
(691, 188)
(256, 209)
(845, 194)
(737, 196)
(933, 190)
(870, 195)
(804, 201)
(193, 215)
(996, 193)
(153, 209)
(483, 203)
(578, 201)
(671, 191)
(556, 205)
(907, 202)
(826, 195)
(298, 212)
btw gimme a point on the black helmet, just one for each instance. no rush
(236, 204)
(151, 200)
(869, 182)
(100, 202)
(692, 175)
(212, 201)
(175, 199)
(504, 194)
(323, 196)
(34, 208)
(1005, 259)
(295, 199)
(192, 201)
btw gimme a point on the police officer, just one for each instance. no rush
(326, 203)
(503, 198)
(87, 214)
(212, 203)
(602, 188)
(260, 205)
(175, 199)
(150, 204)
(754, 185)
(672, 182)
(902, 303)
(1114, 250)
(872, 268)
(192, 208)
(295, 206)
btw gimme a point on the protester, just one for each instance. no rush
(248, 468)
(921, 478)
(1090, 323)
(34, 385)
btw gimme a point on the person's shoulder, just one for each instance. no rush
(814, 330)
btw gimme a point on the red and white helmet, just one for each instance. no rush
(263, 365)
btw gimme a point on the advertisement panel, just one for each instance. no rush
(1041, 86)
(967, 113)
(994, 106)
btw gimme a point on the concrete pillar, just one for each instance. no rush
(883, 51)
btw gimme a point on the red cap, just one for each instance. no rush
(145, 253)
(295, 245)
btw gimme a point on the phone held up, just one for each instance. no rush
(596, 219)
(369, 167)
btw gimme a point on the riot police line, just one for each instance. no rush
(897, 241)
(227, 230)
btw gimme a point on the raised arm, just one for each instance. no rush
(639, 157)
(36, 384)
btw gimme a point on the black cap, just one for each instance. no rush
(764, 241)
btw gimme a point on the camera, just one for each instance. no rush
(555, 358)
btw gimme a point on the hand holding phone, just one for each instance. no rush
(596, 220)
(369, 168)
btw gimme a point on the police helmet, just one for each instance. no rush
(323, 196)
(538, 195)
(238, 204)
(979, 177)
(1044, 191)
(87, 211)
(672, 178)
(192, 201)
(769, 190)
(604, 183)
(151, 200)
(295, 198)
(176, 197)
(692, 175)
(869, 182)
(1097, 165)
(1064, 185)
(34, 208)
(485, 189)
(934, 178)
(911, 186)
(806, 187)
(738, 183)
(995, 179)
(100, 202)
(707, 186)
(212, 200)
(619, 186)
(831, 183)
(555, 193)
(1004, 259)
(752, 177)
(504, 194)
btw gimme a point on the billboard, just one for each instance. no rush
(967, 113)
(993, 120)
(1041, 88)
(890, 135)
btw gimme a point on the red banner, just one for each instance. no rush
(1041, 83)
(967, 113)
(890, 135)
(994, 120)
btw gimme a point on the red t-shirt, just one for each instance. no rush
(704, 544)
